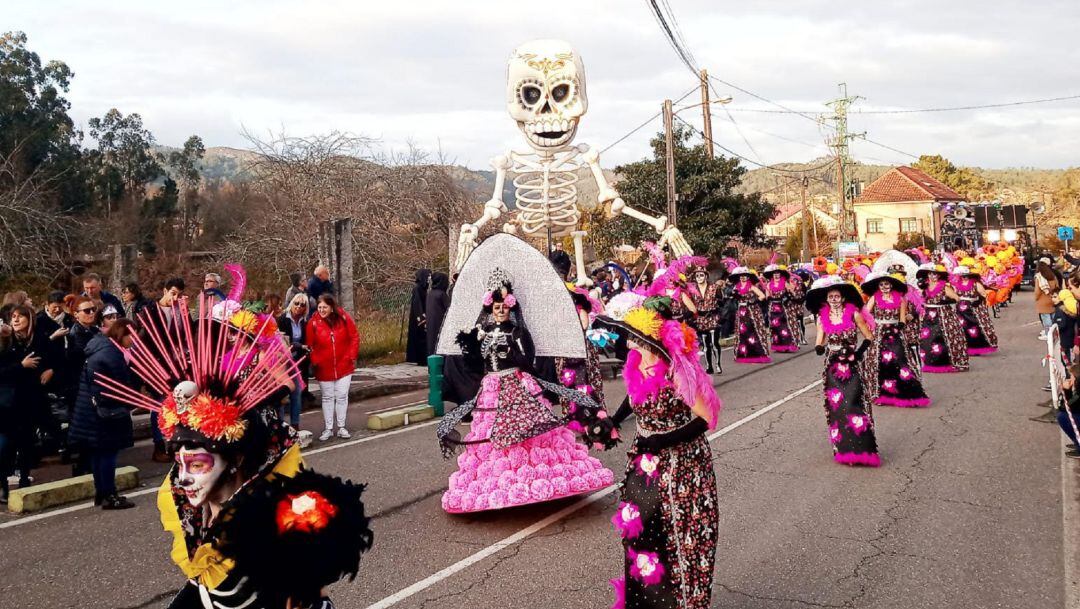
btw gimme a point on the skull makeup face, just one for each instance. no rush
(545, 92)
(199, 474)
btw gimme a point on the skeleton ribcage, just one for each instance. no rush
(546, 193)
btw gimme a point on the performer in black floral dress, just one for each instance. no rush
(796, 287)
(941, 340)
(784, 329)
(667, 515)
(897, 379)
(848, 410)
(706, 297)
(974, 315)
(751, 333)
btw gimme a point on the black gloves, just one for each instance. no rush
(862, 348)
(623, 412)
(657, 442)
(819, 349)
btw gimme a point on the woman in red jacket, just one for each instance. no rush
(334, 343)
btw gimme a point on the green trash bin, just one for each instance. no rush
(435, 383)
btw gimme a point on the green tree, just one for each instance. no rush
(906, 241)
(961, 179)
(124, 162)
(183, 166)
(821, 246)
(709, 211)
(37, 136)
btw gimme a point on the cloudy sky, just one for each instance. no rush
(432, 72)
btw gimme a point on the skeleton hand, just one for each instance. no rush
(466, 244)
(674, 239)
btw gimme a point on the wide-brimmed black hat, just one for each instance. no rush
(741, 271)
(819, 291)
(874, 280)
(622, 309)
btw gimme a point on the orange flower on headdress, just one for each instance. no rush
(217, 419)
(307, 512)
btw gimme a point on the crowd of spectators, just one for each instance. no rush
(49, 356)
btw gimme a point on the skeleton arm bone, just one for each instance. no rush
(669, 234)
(494, 208)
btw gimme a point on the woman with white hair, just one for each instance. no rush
(292, 324)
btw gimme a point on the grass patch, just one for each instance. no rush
(382, 340)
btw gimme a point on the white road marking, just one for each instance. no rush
(538, 526)
(153, 489)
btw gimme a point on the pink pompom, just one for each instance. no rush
(536, 455)
(484, 470)
(526, 474)
(627, 520)
(645, 567)
(497, 499)
(452, 499)
(506, 479)
(578, 484)
(483, 450)
(562, 485)
(455, 480)
(517, 494)
(518, 457)
(510, 301)
(543, 472)
(563, 455)
(481, 503)
(594, 480)
(558, 470)
(582, 467)
(467, 502)
(575, 427)
(502, 464)
(595, 463)
(471, 462)
(541, 490)
(474, 488)
(607, 476)
(488, 484)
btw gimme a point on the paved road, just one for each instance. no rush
(965, 512)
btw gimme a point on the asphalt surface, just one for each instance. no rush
(966, 511)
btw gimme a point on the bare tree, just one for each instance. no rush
(401, 205)
(35, 235)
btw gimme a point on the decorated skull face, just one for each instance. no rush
(198, 473)
(183, 393)
(545, 92)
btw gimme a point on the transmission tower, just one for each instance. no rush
(847, 229)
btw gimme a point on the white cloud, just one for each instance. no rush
(432, 71)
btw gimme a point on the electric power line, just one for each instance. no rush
(751, 161)
(642, 125)
(974, 107)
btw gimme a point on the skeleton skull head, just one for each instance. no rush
(545, 92)
(183, 394)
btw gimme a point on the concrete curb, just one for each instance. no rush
(382, 421)
(41, 496)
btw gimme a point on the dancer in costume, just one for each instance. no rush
(667, 515)
(782, 325)
(251, 526)
(518, 450)
(848, 394)
(707, 298)
(942, 347)
(751, 333)
(899, 381)
(583, 374)
(974, 314)
(796, 287)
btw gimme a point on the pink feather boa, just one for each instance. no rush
(691, 381)
(239, 281)
(892, 305)
(935, 290)
(847, 323)
(777, 284)
(640, 386)
(665, 282)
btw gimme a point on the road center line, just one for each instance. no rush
(540, 525)
(153, 489)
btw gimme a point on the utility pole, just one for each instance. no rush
(847, 229)
(669, 139)
(706, 111)
(805, 219)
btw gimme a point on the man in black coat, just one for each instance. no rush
(320, 283)
(92, 290)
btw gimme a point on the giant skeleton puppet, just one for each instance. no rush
(545, 94)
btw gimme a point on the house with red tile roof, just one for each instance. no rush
(787, 218)
(904, 200)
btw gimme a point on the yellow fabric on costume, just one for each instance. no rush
(208, 566)
(1068, 302)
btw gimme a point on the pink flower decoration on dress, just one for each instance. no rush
(933, 314)
(751, 340)
(857, 423)
(935, 348)
(889, 385)
(784, 332)
(834, 434)
(530, 384)
(628, 520)
(842, 371)
(835, 396)
(905, 373)
(775, 322)
(648, 466)
(645, 567)
(888, 356)
(742, 327)
(924, 333)
(743, 312)
(973, 332)
(742, 349)
(568, 376)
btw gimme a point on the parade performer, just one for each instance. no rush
(667, 515)
(751, 333)
(581, 374)
(239, 500)
(848, 403)
(782, 325)
(942, 347)
(518, 450)
(796, 287)
(974, 314)
(707, 298)
(897, 379)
